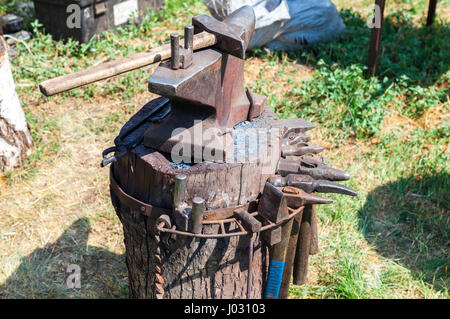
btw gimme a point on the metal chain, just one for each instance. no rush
(159, 279)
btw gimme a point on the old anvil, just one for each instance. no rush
(206, 87)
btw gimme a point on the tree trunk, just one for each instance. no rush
(15, 138)
(187, 267)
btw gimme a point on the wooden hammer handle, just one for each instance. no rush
(119, 66)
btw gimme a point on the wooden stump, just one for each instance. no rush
(191, 267)
(15, 137)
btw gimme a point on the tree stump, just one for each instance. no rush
(15, 138)
(196, 268)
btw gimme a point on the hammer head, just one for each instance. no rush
(233, 33)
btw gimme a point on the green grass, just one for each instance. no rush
(404, 219)
(392, 241)
(402, 214)
(412, 76)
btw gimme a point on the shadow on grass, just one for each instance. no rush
(43, 273)
(408, 221)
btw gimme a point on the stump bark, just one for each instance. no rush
(197, 268)
(15, 137)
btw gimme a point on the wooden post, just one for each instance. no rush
(431, 12)
(314, 248)
(375, 39)
(303, 247)
(15, 137)
(192, 268)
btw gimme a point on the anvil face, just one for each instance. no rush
(214, 79)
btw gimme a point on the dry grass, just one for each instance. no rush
(69, 187)
(62, 215)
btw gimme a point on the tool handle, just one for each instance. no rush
(277, 262)
(119, 66)
(249, 222)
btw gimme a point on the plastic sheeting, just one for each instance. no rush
(286, 24)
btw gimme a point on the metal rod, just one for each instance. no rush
(240, 226)
(227, 220)
(175, 51)
(179, 189)
(212, 236)
(250, 266)
(197, 213)
(188, 36)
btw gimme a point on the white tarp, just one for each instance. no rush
(286, 23)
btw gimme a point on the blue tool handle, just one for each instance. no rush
(273, 283)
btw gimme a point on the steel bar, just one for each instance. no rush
(175, 51)
(240, 226)
(197, 214)
(179, 189)
(264, 228)
(250, 266)
(188, 36)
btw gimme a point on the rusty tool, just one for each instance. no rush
(293, 138)
(162, 221)
(198, 206)
(231, 36)
(202, 76)
(209, 94)
(180, 215)
(308, 157)
(277, 263)
(290, 254)
(309, 185)
(299, 148)
(272, 204)
(296, 197)
(291, 127)
(252, 225)
(311, 167)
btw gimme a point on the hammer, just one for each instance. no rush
(230, 36)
